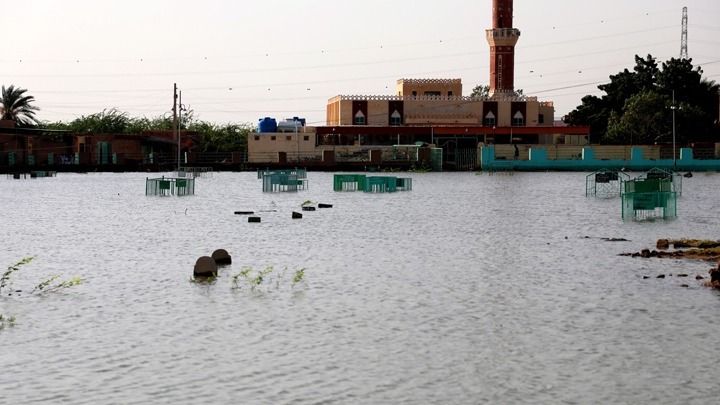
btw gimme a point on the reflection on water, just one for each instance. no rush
(467, 289)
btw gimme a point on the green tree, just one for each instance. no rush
(480, 91)
(16, 106)
(110, 121)
(215, 138)
(227, 138)
(483, 91)
(645, 96)
(644, 120)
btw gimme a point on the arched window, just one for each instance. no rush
(489, 119)
(518, 120)
(359, 118)
(395, 118)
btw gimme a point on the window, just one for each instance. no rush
(432, 94)
(257, 137)
(541, 118)
(288, 137)
(306, 137)
(489, 120)
(272, 137)
(449, 93)
(414, 93)
(518, 120)
(359, 118)
(395, 118)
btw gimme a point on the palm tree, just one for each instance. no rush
(15, 105)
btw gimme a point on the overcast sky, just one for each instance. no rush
(238, 61)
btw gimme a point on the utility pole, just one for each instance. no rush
(175, 123)
(673, 132)
(179, 136)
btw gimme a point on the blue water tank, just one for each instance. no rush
(267, 124)
(302, 120)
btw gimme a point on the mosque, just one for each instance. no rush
(430, 112)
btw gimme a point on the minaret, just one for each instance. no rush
(502, 39)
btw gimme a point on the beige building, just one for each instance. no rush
(438, 102)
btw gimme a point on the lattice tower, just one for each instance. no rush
(684, 36)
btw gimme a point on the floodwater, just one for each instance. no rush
(469, 289)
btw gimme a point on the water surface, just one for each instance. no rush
(468, 289)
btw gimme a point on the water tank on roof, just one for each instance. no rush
(301, 120)
(294, 124)
(267, 124)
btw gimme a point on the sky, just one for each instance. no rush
(238, 61)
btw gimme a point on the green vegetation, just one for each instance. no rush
(16, 106)
(637, 107)
(215, 138)
(422, 166)
(298, 277)
(255, 279)
(44, 287)
(483, 91)
(9, 321)
(5, 279)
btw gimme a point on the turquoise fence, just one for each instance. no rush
(371, 184)
(166, 186)
(651, 195)
(538, 160)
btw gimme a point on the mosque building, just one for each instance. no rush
(434, 111)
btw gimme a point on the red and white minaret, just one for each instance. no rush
(502, 39)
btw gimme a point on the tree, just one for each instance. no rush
(480, 91)
(216, 138)
(636, 107)
(110, 121)
(227, 138)
(16, 106)
(645, 120)
(483, 91)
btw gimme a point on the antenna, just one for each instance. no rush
(683, 37)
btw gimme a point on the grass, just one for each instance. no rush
(255, 279)
(6, 321)
(47, 286)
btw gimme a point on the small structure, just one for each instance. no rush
(349, 182)
(301, 173)
(195, 172)
(649, 197)
(674, 178)
(371, 184)
(404, 183)
(42, 173)
(605, 183)
(381, 184)
(283, 180)
(166, 186)
(33, 174)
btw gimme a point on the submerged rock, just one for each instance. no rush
(205, 266)
(221, 256)
(663, 244)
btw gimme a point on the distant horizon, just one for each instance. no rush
(237, 63)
